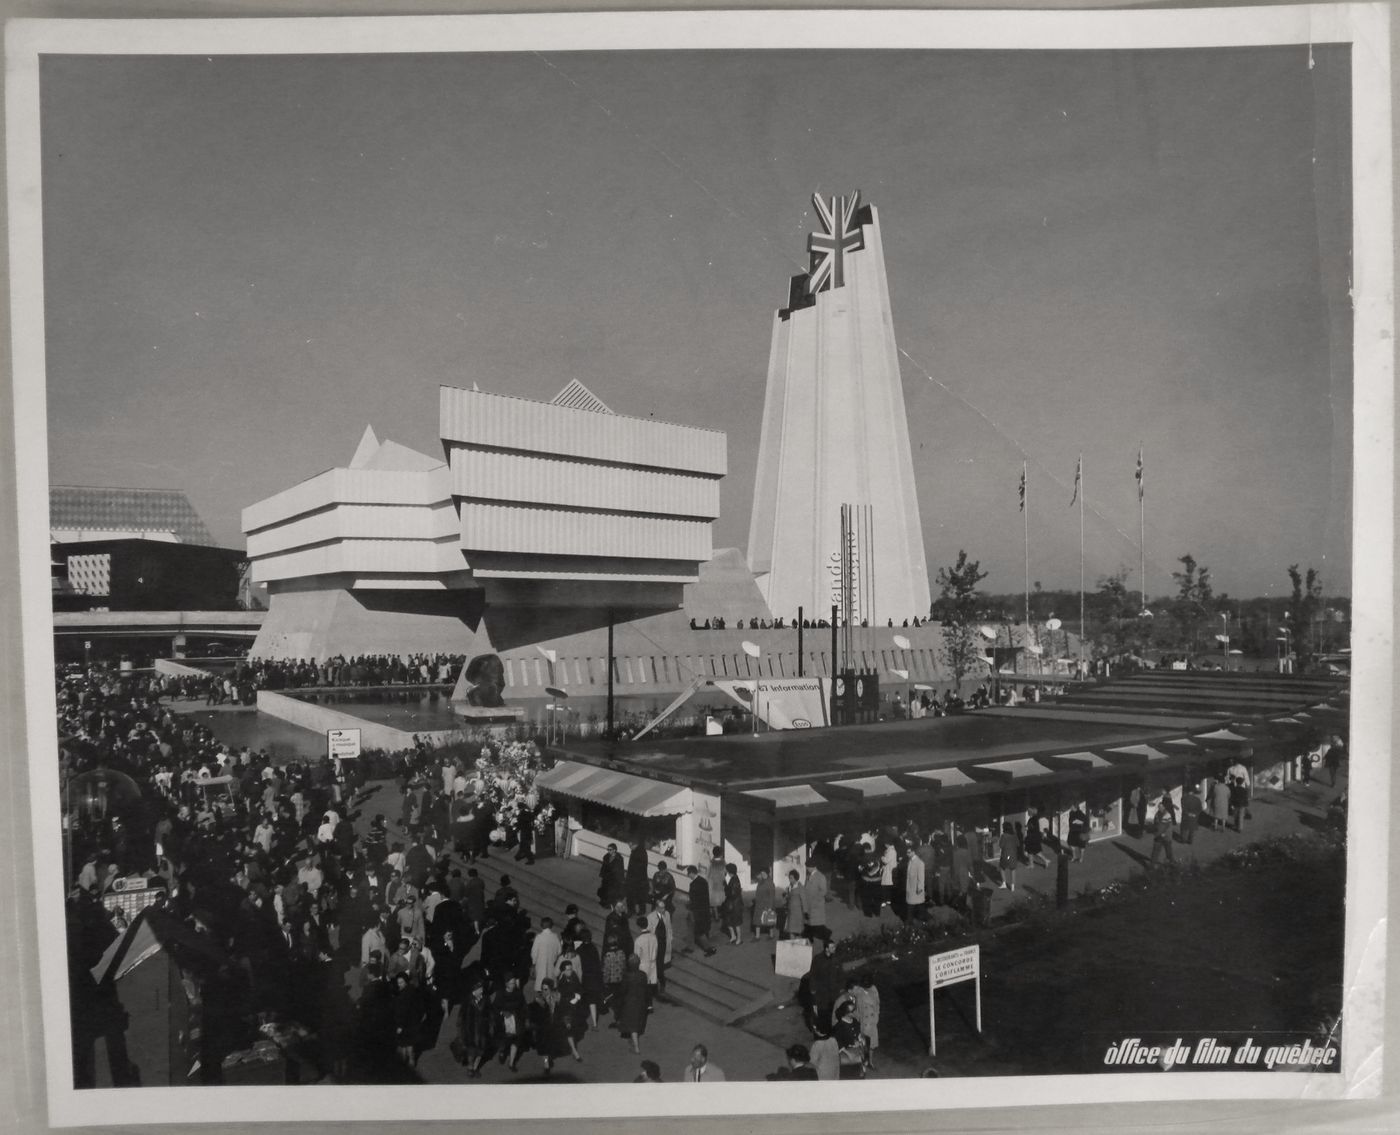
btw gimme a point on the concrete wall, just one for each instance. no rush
(320, 718)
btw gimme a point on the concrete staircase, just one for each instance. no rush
(708, 986)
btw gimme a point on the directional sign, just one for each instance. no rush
(949, 968)
(342, 743)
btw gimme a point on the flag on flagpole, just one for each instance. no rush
(1078, 474)
(1139, 474)
(1023, 487)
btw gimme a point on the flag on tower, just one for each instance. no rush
(1022, 492)
(1078, 475)
(1139, 474)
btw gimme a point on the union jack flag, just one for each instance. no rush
(828, 248)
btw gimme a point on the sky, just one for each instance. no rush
(249, 259)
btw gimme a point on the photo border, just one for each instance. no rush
(1366, 27)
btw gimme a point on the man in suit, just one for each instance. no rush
(700, 1070)
(699, 893)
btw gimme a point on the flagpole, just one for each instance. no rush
(1142, 539)
(1026, 525)
(1081, 563)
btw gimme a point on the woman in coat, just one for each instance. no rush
(591, 975)
(544, 1033)
(1035, 839)
(475, 1031)
(733, 907)
(632, 1003)
(509, 1021)
(571, 1014)
(765, 907)
(614, 963)
(715, 877)
(638, 880)
(795, 903)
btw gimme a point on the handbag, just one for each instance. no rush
(768, 917)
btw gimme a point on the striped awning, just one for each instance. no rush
(621, 790)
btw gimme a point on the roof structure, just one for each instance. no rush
(578, 397)
(1152, 720)
(98, 508)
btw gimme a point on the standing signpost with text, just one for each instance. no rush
(342, 744)
(948, 969)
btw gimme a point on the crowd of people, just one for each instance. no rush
(240, 685)
(778, 623)
(370, 950)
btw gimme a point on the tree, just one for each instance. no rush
(956, 608)
(1307, 601)
(1193, 604)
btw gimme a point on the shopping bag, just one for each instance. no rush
(794, 957)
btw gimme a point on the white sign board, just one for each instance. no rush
(949, 968)
(794, 957)
(342, 743)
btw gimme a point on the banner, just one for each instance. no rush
(784, 703)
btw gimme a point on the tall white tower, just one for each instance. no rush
(834, 434)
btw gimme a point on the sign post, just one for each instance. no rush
(947, 969)
(342, 743)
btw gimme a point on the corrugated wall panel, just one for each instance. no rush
(477, 418)
(408, 556)
(357, 486)
(509, 528)
(554, 480)
(365, 521)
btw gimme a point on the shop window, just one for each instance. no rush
(658, 833)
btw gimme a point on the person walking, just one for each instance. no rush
(474, 1031)
(614, 966)
(914, 883)
(612, 878)
(1078, 833)
(824, 985)
(699, 895)
(1239, 802)
(814, 895)
(1219, 804)
(715, 878)
(1332, 759)
(544, 953)
(509, 1017)
(631, 1014)
(733, 908)
(1035, 839)
(1009, 856)
(644, 950)
(1191, 808)
(1162, 835)
(795, 907)
(765, 907)
(638, 880)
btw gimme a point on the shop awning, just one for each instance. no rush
(869, 786)
(621, 790)
(1020, 768)
(788, 796)
(1140, 754)
(1085, 761)
(945, 778)
(1221, 735)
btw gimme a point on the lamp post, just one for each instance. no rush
(753, 650)
(554, 708)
